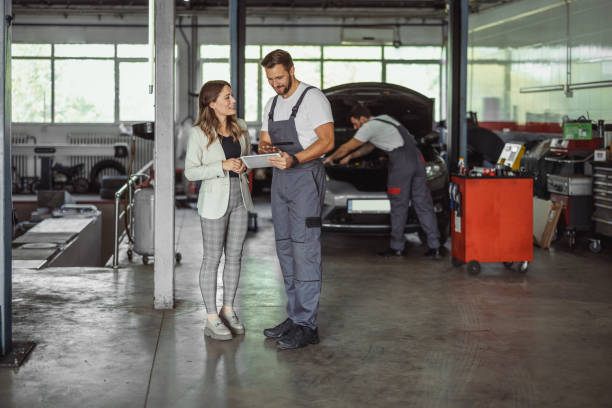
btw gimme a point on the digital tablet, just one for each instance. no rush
(256, 161)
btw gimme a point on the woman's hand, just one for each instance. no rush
(242, 168)
(234, 165)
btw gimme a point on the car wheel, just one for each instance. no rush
(104, 167)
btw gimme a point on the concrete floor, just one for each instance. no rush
(395, 333)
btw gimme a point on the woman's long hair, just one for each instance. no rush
(207, 119)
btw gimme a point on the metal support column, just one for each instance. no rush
(237, 19)
(457, 80)
(164, 154)
(195, 81)
(6, 228)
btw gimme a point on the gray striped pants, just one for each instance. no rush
(227, 232)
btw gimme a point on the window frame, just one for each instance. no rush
(321, 60)
(53, 58)
(260, 83)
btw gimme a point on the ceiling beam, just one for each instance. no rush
(253, 11)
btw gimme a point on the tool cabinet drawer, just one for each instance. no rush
(603, 185)
(603, 226)
(603, 211)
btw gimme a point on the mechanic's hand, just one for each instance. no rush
(232, 165)
(283, 162)
(265, 148)
(346, 159)
(328, 161)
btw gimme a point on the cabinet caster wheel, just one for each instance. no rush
(523, 266)
(130, 254)
(595, 246)
(508, 265)
(145, 260)
(456, 262)
(473, 267)
(178, 257)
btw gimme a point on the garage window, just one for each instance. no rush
(135, 102)
(215, 65)
(423, 78)
(326, 66)
(31, 90)
(31, 83)
(84, 91)
(413, 53)
(215, 71)
(251, 92)
(342, 72)
(80, 83)
(352, 52)
(296, 51)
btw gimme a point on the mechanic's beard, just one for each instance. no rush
(286, 91)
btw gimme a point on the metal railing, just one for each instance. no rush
(128, 209)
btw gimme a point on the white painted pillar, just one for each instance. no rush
(6, 271)
(164, 154)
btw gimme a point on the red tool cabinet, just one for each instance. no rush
(494, 223)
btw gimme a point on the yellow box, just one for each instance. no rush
(511, 155)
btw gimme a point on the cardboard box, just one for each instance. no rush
(541, 209)
(551, 224)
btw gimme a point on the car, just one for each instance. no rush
(355, 196)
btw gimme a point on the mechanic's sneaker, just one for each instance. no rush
(389, 252)
(434, 253)
(279, 331)
(232, 322)
(300, 336)
(217, 330)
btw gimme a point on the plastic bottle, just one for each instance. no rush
(461, 166)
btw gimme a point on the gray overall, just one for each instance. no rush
(407, 181)
(297, 201)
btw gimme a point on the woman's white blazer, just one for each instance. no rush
(205, 163)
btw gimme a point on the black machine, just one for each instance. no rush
(69, 177)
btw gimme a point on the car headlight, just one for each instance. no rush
(433, 170)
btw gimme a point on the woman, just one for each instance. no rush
(216, 141)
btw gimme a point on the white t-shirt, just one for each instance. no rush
(314, 111)
(381, 135)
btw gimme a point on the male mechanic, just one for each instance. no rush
(406, 180)
(297, 123)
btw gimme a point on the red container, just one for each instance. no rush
(495, 223)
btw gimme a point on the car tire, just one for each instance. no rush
(96, 170)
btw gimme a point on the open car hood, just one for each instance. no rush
(412, 109)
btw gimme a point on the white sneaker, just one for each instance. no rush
(217, 330)
(231, 320)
